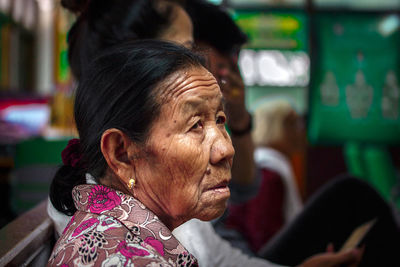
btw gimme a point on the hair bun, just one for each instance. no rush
(76, 6)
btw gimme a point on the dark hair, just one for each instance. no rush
(103, 23)
(213, 25)
(119, 90)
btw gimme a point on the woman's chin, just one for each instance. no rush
(213, 212)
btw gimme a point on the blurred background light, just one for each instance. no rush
(389, 25)
(274, 67)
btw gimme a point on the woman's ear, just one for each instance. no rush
(118, 149)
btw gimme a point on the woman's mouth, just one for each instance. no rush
(221, 187)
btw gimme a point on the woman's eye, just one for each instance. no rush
(221, 120)
(197, 125)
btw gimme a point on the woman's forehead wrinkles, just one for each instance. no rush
(195, 103)
(194, 82)
(183, 82)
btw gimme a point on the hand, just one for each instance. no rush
(332, 259)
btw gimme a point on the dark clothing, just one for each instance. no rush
(330, 216)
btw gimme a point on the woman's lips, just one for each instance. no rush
(221, 187)
(224, 189)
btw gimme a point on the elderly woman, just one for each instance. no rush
(152, 134)
(151, 125)
(100, 25)
(94, 31)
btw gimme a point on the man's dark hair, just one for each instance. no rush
(213, 25)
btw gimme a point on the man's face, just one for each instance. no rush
(218, 64)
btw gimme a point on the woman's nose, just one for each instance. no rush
(222, 149)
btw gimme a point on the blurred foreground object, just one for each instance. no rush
(27, 241)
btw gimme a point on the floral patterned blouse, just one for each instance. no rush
(114, 229)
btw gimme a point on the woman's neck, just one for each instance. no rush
(116, 184)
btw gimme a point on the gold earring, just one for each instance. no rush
(132, 183)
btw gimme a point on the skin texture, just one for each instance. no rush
(224, 68)
(183, 169)
(226, 71)
(189, 154)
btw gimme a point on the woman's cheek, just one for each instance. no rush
(192, 155)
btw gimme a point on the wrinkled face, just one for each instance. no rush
(186, 168)
(180, 30)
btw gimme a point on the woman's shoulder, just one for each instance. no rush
(103, 241)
